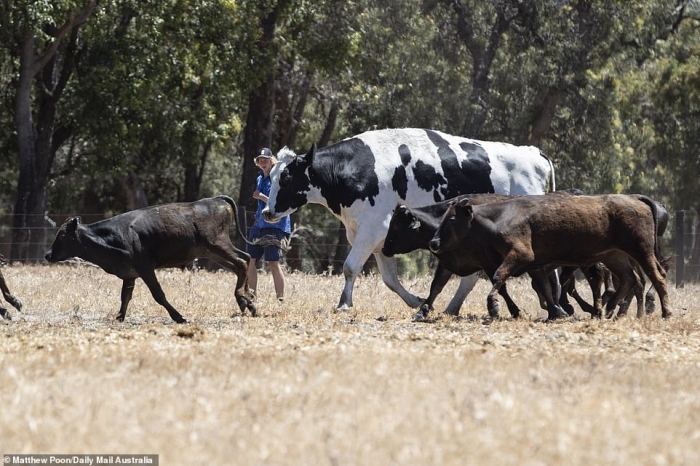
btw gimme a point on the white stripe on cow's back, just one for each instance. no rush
(515, 169)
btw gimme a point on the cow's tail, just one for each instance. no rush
(267, 240)
(655, 214)
(551, 181)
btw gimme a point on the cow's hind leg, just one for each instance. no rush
(389, 272)
(227, 255)
(656, 272)
(466, 284)
(149, 277)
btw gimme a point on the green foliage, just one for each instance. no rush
(609, 90)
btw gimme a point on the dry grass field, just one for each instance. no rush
(303, 385)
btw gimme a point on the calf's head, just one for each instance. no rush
(66, 244)
(455, 222)
(403, 235)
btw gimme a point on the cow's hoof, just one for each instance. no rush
(5, 314)
(343, 308)
(181, 321)
(650, 306)
(420, 316)
(253, 311)
(667, 314)
(558, 313)
(16, 303)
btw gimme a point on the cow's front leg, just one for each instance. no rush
(442, 276)
(541, 280)
(358, 255)
(16, 303)
(512, 307)
(127, 291)
(498, 279)
(149, 277)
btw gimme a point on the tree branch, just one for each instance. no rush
(72, 22)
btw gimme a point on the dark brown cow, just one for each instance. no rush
(600, 276)
(411, 229)
(516, 236)
(135, 244)
(16, 303)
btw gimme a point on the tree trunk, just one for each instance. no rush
(692, 273)
(133, 191)
(194, 169)
(543, 120)
(261, 108)
(330, 124)
(483, 51)
(49, 75)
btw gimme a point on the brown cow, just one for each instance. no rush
(16, 303)
(516, 236)
(135, 244)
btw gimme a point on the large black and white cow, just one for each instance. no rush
(528, 232)
(363, 178)
(134, 244)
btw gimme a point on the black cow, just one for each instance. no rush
(135, 244)
(411, 229)
(515, 236)
(16, 303)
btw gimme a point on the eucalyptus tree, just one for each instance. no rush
(162, 91)
(44, 40)
(673, 109)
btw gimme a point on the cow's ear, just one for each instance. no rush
(309, 157)
(465, 208)
(72, 226)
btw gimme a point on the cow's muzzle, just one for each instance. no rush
(269, 217)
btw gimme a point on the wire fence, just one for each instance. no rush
(323, 250)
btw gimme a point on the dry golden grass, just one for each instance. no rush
(301, 384)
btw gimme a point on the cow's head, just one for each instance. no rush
(67, 242)
(403, 235)
(290, 183)
(454, 224)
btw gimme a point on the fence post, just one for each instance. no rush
(680, 248)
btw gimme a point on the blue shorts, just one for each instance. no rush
(272, 253)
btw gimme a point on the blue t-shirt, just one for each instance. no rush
(263, 185)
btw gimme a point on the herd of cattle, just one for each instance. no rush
(479, 207)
